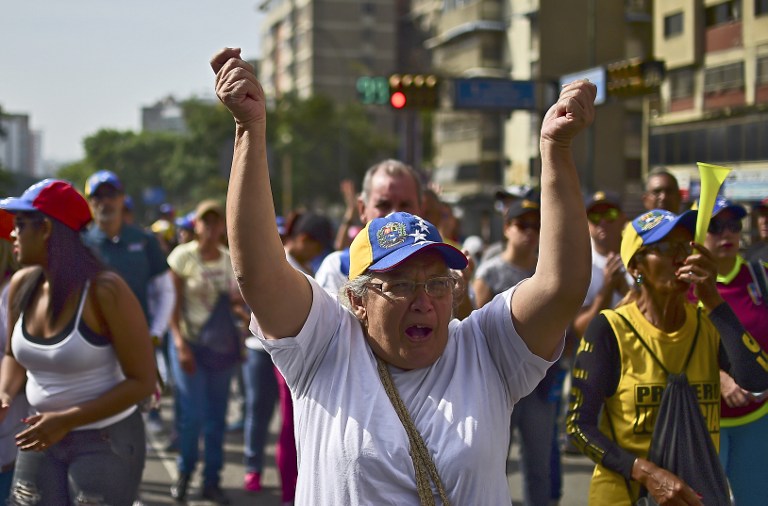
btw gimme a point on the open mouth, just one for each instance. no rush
(418, 332)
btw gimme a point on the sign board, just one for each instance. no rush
(493, 94)
(746, 185)
(595, 75)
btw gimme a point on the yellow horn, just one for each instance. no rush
(712, 177)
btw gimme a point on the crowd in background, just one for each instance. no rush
(179, 270)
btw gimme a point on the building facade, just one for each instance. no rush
(538, 41)
(714, 102)
(19, 145)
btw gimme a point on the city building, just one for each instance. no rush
(321, 47)
(530, 40)
(713, 105)
(164, 116)
(19, 145)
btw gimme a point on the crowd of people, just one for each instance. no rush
(404, 361)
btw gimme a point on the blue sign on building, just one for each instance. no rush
(495, 94)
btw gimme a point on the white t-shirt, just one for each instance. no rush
(596, 283)
(352, 448)
(329, 274)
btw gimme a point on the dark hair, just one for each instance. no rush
(70, 264)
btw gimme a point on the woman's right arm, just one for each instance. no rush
(12, 374)
(279, 296)
(596, 374)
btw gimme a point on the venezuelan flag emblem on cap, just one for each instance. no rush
(385, 243)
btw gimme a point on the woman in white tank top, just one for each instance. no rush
(79, 339)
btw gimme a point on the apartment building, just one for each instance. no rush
(714, 103)
(539, 41)
(322, 46)
(19, 145)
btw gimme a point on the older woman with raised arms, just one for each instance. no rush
(395, 402)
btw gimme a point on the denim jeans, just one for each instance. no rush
(260, 397)
(203, 398)
(95, 466)
(534, 417)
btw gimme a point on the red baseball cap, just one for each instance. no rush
(55, 198)
(6, 225)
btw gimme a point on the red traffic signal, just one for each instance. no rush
(398, 100)
(411, 91)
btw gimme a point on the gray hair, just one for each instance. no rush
(391, 167)
(354, 288)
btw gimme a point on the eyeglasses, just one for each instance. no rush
(670, 249)
(436, 287)
(105, 192)
(717, 227)
(524, 225)
(609, 215)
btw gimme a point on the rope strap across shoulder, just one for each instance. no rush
(653, 355)
(422, 461)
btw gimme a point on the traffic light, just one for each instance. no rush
(414, 91)
(373, 90)
(634, 77)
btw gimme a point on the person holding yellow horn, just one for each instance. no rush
(627, 355)
(744, 414)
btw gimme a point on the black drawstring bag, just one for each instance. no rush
(681, 443)
(218, 344)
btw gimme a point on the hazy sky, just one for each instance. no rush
(76, 66)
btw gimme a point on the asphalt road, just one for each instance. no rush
(160, 472)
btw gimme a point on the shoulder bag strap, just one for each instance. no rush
(757, 271)
(653, 355)
(422, 461)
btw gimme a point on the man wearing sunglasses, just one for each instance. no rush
(610, 281)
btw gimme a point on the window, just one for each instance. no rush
(761, 7)
(681, 83)
(673, 25)
(722, 13)
(762, 69)
(725, 77)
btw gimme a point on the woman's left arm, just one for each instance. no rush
(127, 330)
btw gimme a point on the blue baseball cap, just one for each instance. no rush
(651, 227)
(385, 243)
(102, 177)
(55, 198)
(722, 204)
(187, 221)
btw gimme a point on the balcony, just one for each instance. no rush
(724, 36)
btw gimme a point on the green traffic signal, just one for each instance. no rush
(373, 90)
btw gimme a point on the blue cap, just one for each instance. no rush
(721, 204)
(187, 221)
(651, 227)
(384, 243)
(102, 177)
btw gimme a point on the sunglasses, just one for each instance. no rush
(524, 225)
(717, 227)
(670, 249)
(105, 192)
(609, 215)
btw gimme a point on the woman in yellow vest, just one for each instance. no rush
(616, 373)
